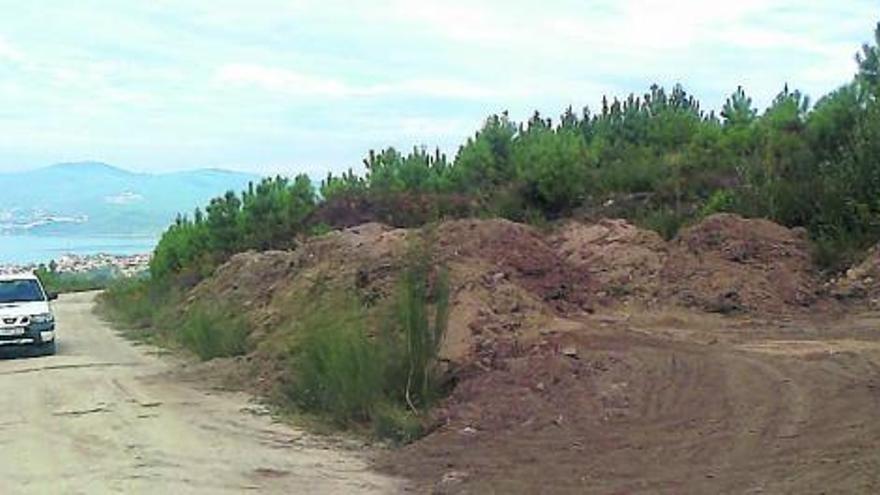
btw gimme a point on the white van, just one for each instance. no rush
(26, 318)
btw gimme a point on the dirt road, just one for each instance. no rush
(103, 416)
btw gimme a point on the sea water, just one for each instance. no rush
(24, 249)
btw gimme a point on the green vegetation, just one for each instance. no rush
(389, 379)
(57, 283)
(212, 333)
(798, 164)
(147, 310)
(657, 159)
(139, 303)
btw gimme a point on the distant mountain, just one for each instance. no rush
(93, 198)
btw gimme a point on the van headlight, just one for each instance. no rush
(42, 318)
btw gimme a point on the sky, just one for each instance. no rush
(271, 86)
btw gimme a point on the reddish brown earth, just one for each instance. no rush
(640, 407)
(730, 264)
(599, 358)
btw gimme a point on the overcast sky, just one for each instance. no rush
(302, 85)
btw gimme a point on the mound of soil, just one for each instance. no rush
(250, 279)
(538, 402)
(356, 257)
(518, 252)
(730, 264)
(623, 260)
(506, 282)
(507, 285)
(511, 283)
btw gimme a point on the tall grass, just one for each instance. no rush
(387, 379)
(59, 283)
(211, 333)
(338, 368)
(422, 308)
(149, 310)
(138, 302)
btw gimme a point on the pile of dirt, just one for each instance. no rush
(259, 282)
(730, 264)
(271, 288)
(523, 420)
(544, 390)
(552, 388)
(624, 261)
(248, 279)
(508, 284)
(518, 252)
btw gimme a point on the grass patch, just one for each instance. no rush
(386, 379)
(212, 333)
(338, 370)
(148, 311)
(62, 283)
(137, 303)
(665, 221)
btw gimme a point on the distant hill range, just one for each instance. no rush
(92, 198)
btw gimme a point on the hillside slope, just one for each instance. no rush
(91, 198)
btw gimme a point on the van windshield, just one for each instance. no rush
(12, 291)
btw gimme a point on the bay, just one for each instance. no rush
(23, 249)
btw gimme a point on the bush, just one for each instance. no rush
(74, 282)
(396, 423)
(338, 370)
(211, 333)
(722, 200)
(148, 308)
(138, 303)
(388, 380)
(665, 221)
(834, 254)
(420, 321)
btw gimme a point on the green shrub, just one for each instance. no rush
(338, 370)
(212, 333)
(834, 254)
(148, 308)
(420, 321)
(396, 423)
(664, 221)
(138, 303)
(720, 201)
(388, 379)
(59, 283)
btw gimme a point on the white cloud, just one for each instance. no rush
(280, 80)
(9, 52)
(320, 81)
(291, 82)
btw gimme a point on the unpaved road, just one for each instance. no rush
(103, 416)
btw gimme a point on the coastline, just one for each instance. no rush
(124, 265)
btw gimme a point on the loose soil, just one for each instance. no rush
(599, 358)
(626, 406)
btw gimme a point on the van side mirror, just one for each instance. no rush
(52, 296)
